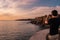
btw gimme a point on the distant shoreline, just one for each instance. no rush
(41, 26)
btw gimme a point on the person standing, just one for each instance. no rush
(54, 23)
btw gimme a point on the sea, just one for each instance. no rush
(17, 30)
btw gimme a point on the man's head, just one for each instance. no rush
(54, 12)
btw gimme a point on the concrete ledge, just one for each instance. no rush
(41, 35)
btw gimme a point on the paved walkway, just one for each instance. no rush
(41, 35)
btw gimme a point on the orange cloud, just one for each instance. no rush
(34, 12)
(11, 9)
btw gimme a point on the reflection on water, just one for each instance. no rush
(16, 30)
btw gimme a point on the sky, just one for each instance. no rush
(23, 9)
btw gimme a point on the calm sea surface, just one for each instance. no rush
(16, 30)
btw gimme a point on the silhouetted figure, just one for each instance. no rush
(54, 23)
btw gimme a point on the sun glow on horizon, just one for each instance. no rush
(21, 9)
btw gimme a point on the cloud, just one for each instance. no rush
(16, 9)
(15, 3)
(14, 6)
(41, 11)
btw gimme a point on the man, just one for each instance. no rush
(54, 23)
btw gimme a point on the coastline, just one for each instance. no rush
(41, 25)
(42, 30)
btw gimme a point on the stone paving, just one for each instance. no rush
(41, 35)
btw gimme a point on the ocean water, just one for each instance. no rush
(17, 30)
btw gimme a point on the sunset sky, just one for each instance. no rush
(21, 9)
